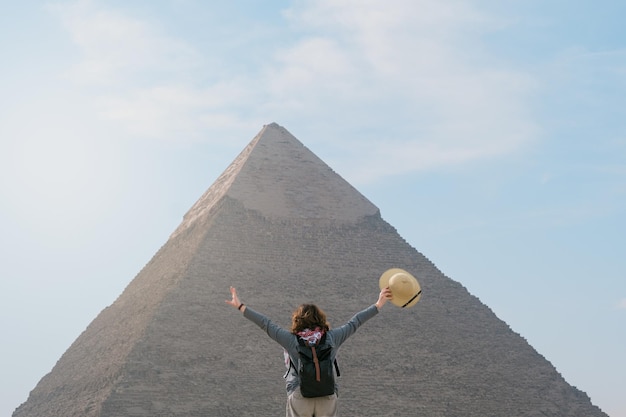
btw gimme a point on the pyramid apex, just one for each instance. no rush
(279, 177)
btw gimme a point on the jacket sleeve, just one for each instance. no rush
(340, 334)
(283, 337)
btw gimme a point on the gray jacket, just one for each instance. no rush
(289, 341)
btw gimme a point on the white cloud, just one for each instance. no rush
(416, 73)
(621, 305)
(174, 112)
(410, 78)
(145, 81)
(117, 47)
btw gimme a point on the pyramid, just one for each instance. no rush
(284, 228)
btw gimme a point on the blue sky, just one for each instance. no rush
(491, 134)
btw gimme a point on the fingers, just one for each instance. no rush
(386, 292)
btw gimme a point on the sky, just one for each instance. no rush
(491, 134)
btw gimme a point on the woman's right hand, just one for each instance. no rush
(385, 294)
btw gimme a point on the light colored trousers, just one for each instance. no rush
(299, 406)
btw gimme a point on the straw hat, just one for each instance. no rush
(405, 289)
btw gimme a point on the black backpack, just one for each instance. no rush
(315, 369)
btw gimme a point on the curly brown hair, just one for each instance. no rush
(308, 316)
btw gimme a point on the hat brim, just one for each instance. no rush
(402, 302)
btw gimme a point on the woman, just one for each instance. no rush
(309, 323)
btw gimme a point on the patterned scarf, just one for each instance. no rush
(311, 336)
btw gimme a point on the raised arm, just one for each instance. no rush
(274, 331)
(341, 333)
